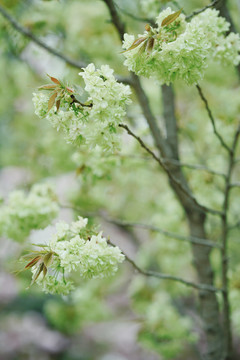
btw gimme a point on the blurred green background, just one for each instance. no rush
(126, 317)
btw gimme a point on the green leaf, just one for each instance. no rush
(170, 18)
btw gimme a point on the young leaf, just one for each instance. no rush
(44, 271)
(58, 104)
(38, 272)
(47, 87)
(56, 81)
(70, 90)
(135, 44)
(142, 48)
(147, 27)
(52, 100)
(170, 18)
(48, 259)
(150, 44)
(32, 262)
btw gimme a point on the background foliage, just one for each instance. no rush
(108, 317)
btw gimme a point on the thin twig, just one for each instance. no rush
(196, 12)
(210, 115)
(203, 287)
(171, 177)
(123, 223)
(194, 167)
(198, 167)
(191, 239)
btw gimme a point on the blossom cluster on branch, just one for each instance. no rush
(74, 248)
(94, 122)
(177, 49)
(25, 212)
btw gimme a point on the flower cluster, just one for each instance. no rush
(74, 248)
(181, 50)
(94, 122)
(26, 212)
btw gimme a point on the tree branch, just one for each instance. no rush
(210, 115)
(27, 33)
(194, 13)
(174, 180)
(126, 224)
(224, 251)
(194, 167)
(204, 287)
(117, 22)
(134, 17)
(168, 99)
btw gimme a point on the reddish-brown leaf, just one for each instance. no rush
(147, 27)
(56, 81)
(51, 101)
(44, 271)
(70, 90)
(37, 273)
(150, 44)
(142, 47)
(32, 262)
(135, 44)
(58, 102)
(47, 87)
(170, 18)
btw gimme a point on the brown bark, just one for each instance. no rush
(209, 308)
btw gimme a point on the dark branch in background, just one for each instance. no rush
(194, 13)
(27, 33)
(134, 17)
(224, 252)
(126, 224)
(210, 115)
(191, 239)
(168, 99)
(198, 167)
(203, 287)
(24, 31)
(174, 180)
(115, 18)
(194, 167)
